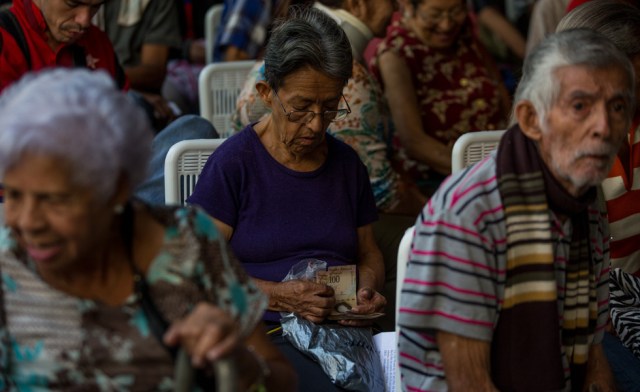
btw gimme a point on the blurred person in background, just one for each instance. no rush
(142, 34)
(440, 83)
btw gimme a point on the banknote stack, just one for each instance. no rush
(343, 281)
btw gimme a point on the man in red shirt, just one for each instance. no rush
(55, 33)
(36, 34)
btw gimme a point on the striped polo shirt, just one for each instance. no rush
(456, 274)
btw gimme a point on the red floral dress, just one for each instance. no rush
(455, 91)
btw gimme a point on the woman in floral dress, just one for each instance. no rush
(440, 83)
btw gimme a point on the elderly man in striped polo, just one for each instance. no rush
(506, 288)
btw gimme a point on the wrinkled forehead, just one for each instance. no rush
(307, 80)
(604, 82)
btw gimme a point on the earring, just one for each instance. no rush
(118, 209)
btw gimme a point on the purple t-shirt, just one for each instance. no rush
(281, 216)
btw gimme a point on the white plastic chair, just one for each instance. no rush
(471, 147)
(182, 167)
(219, 85)
(404, 250)
(211, 24)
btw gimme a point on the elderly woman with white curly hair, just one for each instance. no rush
(99, 290)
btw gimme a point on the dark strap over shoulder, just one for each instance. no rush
(79, 56)
(121, 77)
(9, 22)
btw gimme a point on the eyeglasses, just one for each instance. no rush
(306, 116)
(436, 17)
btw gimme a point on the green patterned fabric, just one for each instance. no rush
(50, 340)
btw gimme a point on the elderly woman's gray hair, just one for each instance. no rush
(308, 38)
(616, 20)
(80, 118)
(576, 47)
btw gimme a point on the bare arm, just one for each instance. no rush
(496, 22)
(232, 53)
(370, 262)
(466, 362)
(410, 200)
(599, 375)
(149, 75)
(405, 111)
(197, 52)
(225, 230)
(492, 70)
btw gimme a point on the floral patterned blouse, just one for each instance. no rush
(367, 129)
(455, 90)
(50, 340)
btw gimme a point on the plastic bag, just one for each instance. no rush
(346, 354)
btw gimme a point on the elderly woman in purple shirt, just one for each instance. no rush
(283, 190)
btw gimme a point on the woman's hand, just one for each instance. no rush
(207, 333)
(311, 300)
(369, 301)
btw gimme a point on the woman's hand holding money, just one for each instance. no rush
(311, 300)
(369, 302)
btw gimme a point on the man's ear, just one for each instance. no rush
(529, 120)
(264, 91)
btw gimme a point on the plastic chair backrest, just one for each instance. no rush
(211, 23)
(182, 167)
(219, 85)
(404, 250)
(471, 147)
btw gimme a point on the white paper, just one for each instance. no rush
(386, 346)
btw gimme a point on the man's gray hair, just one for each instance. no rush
(308, 38)
(616, 20)
(82, 119)
(575, 47)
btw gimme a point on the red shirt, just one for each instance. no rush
(622, 192)
(574, 3)
(98, 50)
